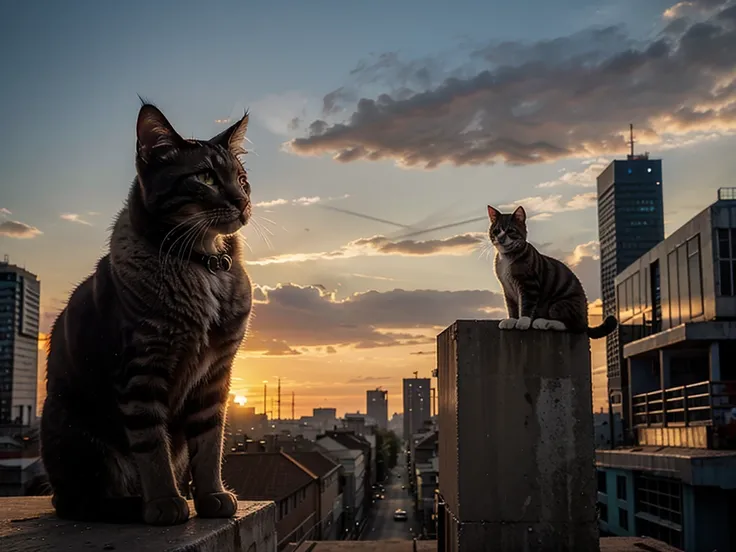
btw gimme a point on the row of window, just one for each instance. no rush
(291, 502)
(658, 506)
(685, 286)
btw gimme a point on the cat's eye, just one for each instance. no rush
(206, 178)
(243, 183)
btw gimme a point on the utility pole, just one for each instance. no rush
(278, 402)
(265, 394)
(292, 406)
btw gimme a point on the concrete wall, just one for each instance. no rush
(516, 446)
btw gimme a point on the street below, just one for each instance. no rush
(381, 524)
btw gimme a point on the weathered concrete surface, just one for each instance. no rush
(28, 524)
(608, 544)
(516, 441)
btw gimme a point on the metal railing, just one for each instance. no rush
(702, 403)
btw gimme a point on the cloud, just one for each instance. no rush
(330, 350)
(692, 7)
(312, 200)
(423, 353)
(19, 230)
(74, 217)
(368, 379)
(4, 212)
(540, 208)
(586, 178)
(533, 102)
(380, 245)
(307, 316)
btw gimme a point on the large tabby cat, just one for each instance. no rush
(139, 361)
(540, 292)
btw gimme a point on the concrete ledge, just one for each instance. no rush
(29, 524)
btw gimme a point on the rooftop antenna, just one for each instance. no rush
(416, 375)
(631, 140)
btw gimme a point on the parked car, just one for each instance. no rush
(400, 515)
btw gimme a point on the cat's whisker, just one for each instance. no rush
(268, 220)
(257, 227)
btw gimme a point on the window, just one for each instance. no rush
(623, 518)
(603, 511)
(660, 500)
(602, 486)
(684, 284)
(694, 276)
(621, 487)
(673, 288)
(726, 239)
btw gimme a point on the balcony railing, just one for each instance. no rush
(703, 403)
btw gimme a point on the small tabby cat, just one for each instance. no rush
(139, 361)
(540, 292)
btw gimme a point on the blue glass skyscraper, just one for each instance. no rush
(630, 223)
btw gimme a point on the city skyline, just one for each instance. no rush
(412, 128)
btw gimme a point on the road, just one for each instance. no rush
(381, 524)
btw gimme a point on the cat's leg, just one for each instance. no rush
(143, 401)
(204, 419)
(528, 299)
(512, 308)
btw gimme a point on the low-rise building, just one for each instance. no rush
(353, 454)
(279, 477)
(426, 470)
(331, 520)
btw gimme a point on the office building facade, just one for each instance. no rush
(20, 294)
(630, 223)
(677, 303)
(377, 406)
(417, 405)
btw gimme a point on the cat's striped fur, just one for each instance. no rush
(540, 291)
(139, 361)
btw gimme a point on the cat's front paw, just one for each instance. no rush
(169, 510)
(544, 324)
(216, 505)
(507, 324)
(523, 323)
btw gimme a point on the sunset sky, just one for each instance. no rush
(419, 113)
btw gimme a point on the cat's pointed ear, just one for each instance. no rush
(232, 138)
(520, 215)
(493, 214)
(153, 131)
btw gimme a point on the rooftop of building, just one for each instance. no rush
(316, 462)
(348, 439)
(265, 475)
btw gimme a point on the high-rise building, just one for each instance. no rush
(377, 406)
(20, 294)
(417, 406)
(630, 223)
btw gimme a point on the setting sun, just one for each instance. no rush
(240, 399)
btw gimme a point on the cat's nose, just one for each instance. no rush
(241, 204)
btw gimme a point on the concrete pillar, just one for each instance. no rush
(715, 361)
(665, 369)
(516, 445)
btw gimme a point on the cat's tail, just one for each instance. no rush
(105, 510)
(608, 325)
